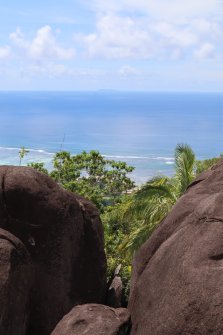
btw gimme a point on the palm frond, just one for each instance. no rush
(150, 199)
(137, 238)
(159, 186)
(157, 209)
(151, 214)
(152, 202)
(184, 164)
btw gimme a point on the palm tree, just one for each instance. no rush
(152, 202)
(22, 152)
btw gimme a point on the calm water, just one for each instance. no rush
(140, 128)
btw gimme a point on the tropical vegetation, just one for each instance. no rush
(103, 181)
(129, 214)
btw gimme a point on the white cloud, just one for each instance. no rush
(125, 37)
(127, 70)
(206, 26)
(173, 10)
(43, 46)
(118, 37)
(18, 38)
(205, 51)
(56, 70)
(5, 52)
(177, 35)
(50, 70)
(148, 29)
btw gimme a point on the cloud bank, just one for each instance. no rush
(148, 29)
(43, 46)
(155, 42)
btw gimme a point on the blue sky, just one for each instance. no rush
(149, 45)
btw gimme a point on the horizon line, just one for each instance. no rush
(111, 91)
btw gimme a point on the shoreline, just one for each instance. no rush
(144, 166)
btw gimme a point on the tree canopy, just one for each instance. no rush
(90, 174)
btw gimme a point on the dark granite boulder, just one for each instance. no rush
(64, 236)
(15, 283)
(93, 319)
(176, 286)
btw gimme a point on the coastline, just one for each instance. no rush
(144, 166)
(141, 129)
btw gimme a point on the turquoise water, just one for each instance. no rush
(140, 128)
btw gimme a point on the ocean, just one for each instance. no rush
(137, 127)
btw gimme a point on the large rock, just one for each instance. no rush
(93, 319)
(64, 236)
(114, 294)
(176, 286)
(15, 284)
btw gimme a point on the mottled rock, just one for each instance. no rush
(176, 286)
(114, 294)
(64, 236)
(15, 284)
(94, 319)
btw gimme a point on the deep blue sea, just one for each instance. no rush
(139, 128)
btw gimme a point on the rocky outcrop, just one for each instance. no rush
(15, 283)
(177, 274)
(94, 319)
(114, 294)
(63, 235)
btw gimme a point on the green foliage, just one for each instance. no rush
(152, 202)
(185, 166)
(39, 167)
(101, 180)
(22, 152)
(130, 223)
(206, 164)
(116, 228)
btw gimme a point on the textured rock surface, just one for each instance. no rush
(63, 234)
(177, 278)
(15, 284)
(114, 294)
(93, 319)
